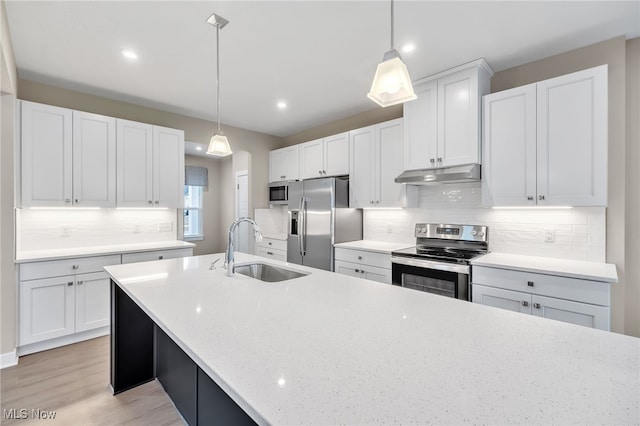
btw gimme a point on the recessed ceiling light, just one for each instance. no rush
(198, 148)
(282, 105)
(408, 48)
(129, 54)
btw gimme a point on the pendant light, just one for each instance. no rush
(391, 84)
(219, 145)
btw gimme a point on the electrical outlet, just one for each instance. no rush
(66, 231)
(165, 227)
(549, 235)
(136, 229)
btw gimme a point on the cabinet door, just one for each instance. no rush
(46, 309)
(134, 164)
(420, 143)
(310, 159)
(504, 299)
(362, 172)
(46, 155)
(283, 164)
(92, 301)
(458, 119)
(572, 139)
(345, 268)
(509, 154)
(572, 312)
(389, 164)
(94, 160)
(168, 167)
(336, 155)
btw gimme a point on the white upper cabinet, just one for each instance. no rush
(546, 143)
(46, 155)
(67, 158)
(135, 164)
(375, 161)
(150, 165)
(168, 167)
(94, 160)
(443, 124)
(283, 164)
(324, 157)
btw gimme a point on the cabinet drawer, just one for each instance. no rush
(368, 272)
(380, 260)
(271, 243)
(156, 255)
(594, 292)
(57, 268)
(272, 253)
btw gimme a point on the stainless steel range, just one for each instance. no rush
(439, 263)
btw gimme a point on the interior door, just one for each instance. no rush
(318, 195)
(293, 238)
(242, 210)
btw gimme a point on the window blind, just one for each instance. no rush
(196, 176)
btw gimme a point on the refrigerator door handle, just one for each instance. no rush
(303, 226)
(300, 225)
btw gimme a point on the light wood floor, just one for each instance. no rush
(73, 381)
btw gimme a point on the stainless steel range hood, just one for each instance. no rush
(455, 174)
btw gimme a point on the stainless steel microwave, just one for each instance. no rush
(279, 193)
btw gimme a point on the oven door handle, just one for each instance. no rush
(430, 264)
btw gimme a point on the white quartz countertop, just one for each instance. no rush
(595, 271)
(374, 246)
(332, 349)
(38, 255)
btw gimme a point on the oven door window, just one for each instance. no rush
(444, 283)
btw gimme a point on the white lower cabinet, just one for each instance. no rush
(572, 300)
(272, 249)
(92, 301)
(363, 264)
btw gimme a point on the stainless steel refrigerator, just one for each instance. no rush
(319, 217)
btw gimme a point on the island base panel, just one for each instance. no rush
(132, 343)
(215, 407)
(178, 375)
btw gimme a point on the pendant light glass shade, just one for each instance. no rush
(391, 84)
(219, 146)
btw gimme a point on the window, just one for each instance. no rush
(193, 213)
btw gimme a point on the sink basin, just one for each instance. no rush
(266, 272)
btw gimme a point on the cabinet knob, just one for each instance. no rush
(160, 257)
(359, 257)
(536, 305)
(540, 197)
(439, 159)
(270, 243)
(80, 282)
(149, 202)
(432, 160)
(530, 283)
(362, 271)
(75, 267)
(525, 303)
(530, 198)
(319, 171)
(77, 201)
(70, 283)
(357, 270)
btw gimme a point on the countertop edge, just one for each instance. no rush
(369, 245)
(108, 250)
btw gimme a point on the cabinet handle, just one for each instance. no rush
(282, 177)
(77, 201)
(359, 257)
(530, 283)
(439, 159)
(80, 282)
(320, 172)
(70, 283)
(357, 270)
(74, 267)
(540, 197)
(149, 202)
(432, 160)
(324, 172)
(269, 253)
(536, 305)
(377, 201)
(160, 257)
(270, 243)
(67, 200)
(525, 303)
(362, 271)
(530, 198)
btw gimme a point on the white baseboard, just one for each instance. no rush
(9, 359)
(63, 341)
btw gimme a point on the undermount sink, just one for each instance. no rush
(266, 272)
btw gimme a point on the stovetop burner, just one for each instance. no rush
(447, 252)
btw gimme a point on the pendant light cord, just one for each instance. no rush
(392, 19)
(218, 71)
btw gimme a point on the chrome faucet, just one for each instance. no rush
(229, 257)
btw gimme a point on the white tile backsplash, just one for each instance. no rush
(579, 233)
(272, 221)
(45, 229)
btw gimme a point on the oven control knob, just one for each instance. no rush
(474, 233)
(480, 234)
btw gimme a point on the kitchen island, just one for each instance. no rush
(332, 349)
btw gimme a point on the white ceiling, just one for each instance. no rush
(318, 56)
